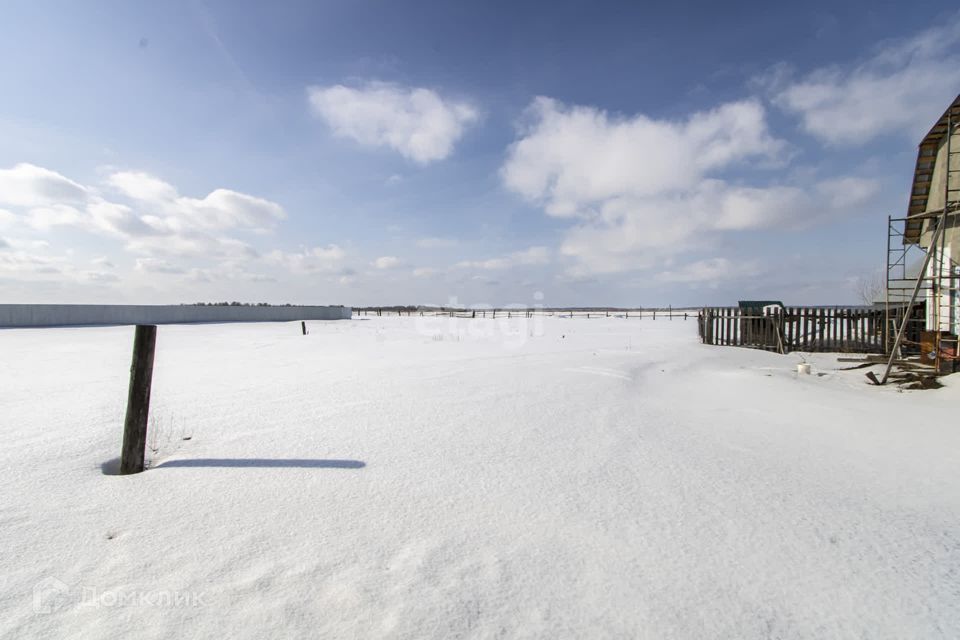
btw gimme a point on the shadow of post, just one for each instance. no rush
(112, 467)
(264, 463)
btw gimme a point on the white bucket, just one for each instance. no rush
(803, 368)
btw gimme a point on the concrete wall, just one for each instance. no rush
(51, 315)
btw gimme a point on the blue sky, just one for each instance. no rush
(385, 152)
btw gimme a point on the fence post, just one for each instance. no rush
(138, 400)
(303, 327)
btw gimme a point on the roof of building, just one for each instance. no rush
(923, 173)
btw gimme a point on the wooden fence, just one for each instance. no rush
(829, 329)
(665, 313)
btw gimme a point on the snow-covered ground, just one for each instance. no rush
(437, 478)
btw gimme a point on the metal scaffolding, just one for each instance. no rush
(922, 306)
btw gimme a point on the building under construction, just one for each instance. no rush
(923, 255)
(917, 328)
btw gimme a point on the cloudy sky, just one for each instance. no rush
(412, 152)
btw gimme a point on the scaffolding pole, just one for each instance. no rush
(935, 255)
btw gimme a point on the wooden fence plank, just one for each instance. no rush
(813, 329)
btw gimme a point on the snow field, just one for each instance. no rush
(435, 477)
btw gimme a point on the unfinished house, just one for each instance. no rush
(923, 256)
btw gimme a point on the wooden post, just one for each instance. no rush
(138, 400)
(303, 327)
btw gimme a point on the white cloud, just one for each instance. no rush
(436, 243)
(418, 123)
(156, 265)
(640, 189)
(198, 245)
(313, 260)
(902, 88)
(637, 234)
(141, 186)
(117, 219)
(28, 262)
(329, 252)
(169, 212)
(199, 275)
(28, 245)
(27, 185)
(154, 221)
(21, 262)
(54, 215)
(709, 271)
(531, 256)
(174, 234)
(386, 262)
(849, 191)
(7, 218)
(101, 277)
(424, 272)
(574, 160)
(227, 209)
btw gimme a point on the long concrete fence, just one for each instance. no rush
(53, 315)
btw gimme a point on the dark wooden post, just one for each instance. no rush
(138, 400)
(303, 327)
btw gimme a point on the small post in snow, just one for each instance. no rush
(138, 400)
(303, 327)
